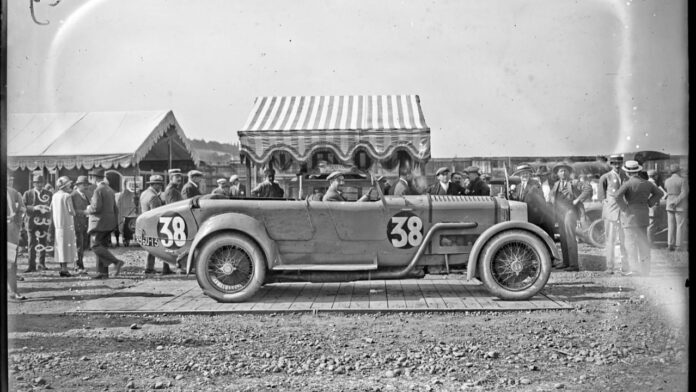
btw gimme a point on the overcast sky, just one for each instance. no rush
(506, 77)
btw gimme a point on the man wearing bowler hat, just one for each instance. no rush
(609, 183)
(103, 214)
(444, 186)
(172, 193)
(150, 199)
(191, 188)
(563, 198)
(476, 187)
(80, 202)
(634, 197)
(677, 199)
(38, 206)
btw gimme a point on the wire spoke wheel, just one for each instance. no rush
(230, 268)
(597, 234)
(516, 266)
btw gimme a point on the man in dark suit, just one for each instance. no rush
(677, 189)
(191, 188)
(634, 198)
(81, 201)
(172, 194)
(476, 186)
(444, 186)
(103, 214)
(404, 186)
(562, 197)
(38, 205)
(529, 191)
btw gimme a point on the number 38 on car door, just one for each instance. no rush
(405, 230)
(172, 231)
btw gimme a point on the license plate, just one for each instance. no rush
(147, 241)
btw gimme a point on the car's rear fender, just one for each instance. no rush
(499, 228)
(242, 224)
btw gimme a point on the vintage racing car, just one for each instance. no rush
(237, 245)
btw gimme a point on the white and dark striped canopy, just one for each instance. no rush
(380, 124)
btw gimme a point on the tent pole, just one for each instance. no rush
(248, 177)
(169, 140)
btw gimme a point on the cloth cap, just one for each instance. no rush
(632, 167)
(81, 180)
(615, 158)
(442, 170)
(674, 168)
(155, 179)
(63, 182)
(562, 166)
(97, 172)
(194, 173)
(234, 178)
(222, 182)
(37, 178)
(334, 175)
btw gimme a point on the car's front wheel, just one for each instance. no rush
(230, 268)
(596, 234)
(514, 265)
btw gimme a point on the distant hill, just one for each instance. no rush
(213, 152)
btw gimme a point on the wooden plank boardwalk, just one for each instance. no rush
(433, 294)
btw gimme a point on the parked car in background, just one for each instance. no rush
(236, 246)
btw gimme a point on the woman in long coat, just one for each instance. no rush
(65, 246)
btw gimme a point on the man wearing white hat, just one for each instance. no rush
(633, 198)
(172, 194)
(237, 189)
(223, 188)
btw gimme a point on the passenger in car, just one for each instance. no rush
(268, 188)
(444, 186)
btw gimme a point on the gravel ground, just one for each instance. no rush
(624, 334)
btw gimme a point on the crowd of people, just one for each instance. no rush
(82, 214)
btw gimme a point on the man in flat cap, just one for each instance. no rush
(444, 186)
(563, 199)
(677, 189)
(80, 202)
(634, 197)
(609, 183)
(268, 188)
(476, 187)
(237, 189)
(334, 193)
(38, 204)
(529, 191)
(150, 199)
(222, 189)
(171, 193)
(103, 215)
(191, 188)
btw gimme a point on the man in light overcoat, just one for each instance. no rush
(609, 183)
(677, 199)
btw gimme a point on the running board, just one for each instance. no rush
(326, 267)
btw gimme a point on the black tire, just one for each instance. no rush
(514, 265)
(596, 235)
(230, 268)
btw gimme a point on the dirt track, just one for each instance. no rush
(624, 333)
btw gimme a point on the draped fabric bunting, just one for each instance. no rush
(299, 125)
(70, 140)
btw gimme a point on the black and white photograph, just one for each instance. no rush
(335, 195)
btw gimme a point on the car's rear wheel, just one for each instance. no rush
(514, 265)
(230, 268)
(596, 235)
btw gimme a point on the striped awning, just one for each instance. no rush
(379, 124)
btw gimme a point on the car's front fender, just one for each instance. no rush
(499, 228)
(234, 222)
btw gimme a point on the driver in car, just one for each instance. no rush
(336, 182)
